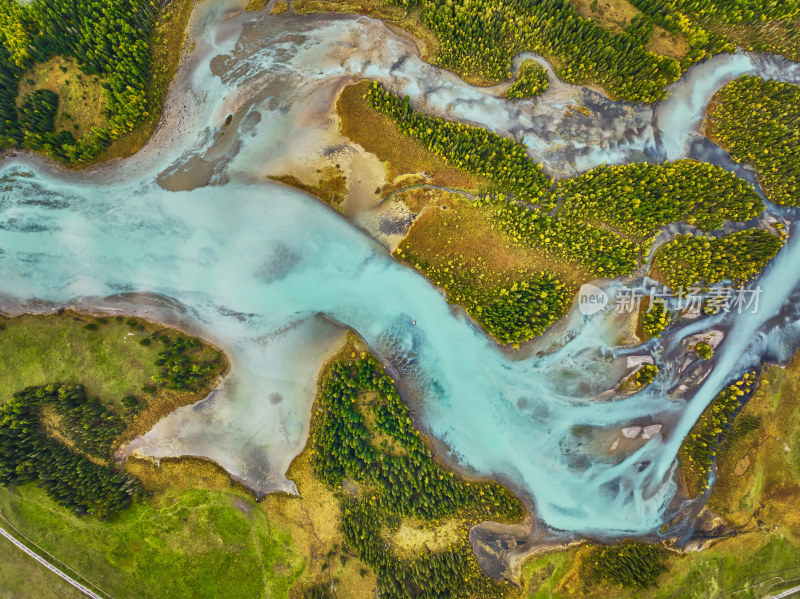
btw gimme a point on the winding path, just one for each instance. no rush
(50, 566)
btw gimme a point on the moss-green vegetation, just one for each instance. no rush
(688, 260)
(655, 319)
(531, 81)
(49, 432)
(758, 122)
(59, 432)
(631, 564)
(362, 437)
(700, 446)
(179, 540)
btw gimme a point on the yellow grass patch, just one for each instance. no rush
(378, 134)
(614, 15)
(666, 43)
(256, 5)
(330, 186)
(172, 476)
(415, 537)
(452, 230)
(81, 97)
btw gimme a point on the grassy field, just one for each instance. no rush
(107, 358)
(82, 100)
(189, 543)
(22, 577)
(614, 15)
(759, 464)
(196, 534)
(765, 561)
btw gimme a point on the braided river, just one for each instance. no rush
(191, 231)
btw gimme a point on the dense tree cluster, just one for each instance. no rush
(645, 375)
(512, 313)
(401, 480)
(411, 484)
(448, 574)
(706, 24)
(689, 260)
(482, 36)
(107, 38)
(604, 253)
(640, 198)
(704, 350)
(655, 319)
(180, 369)
(37, 114)
(700, 445)
(532, 80)
(631, 563)
(29, 454)
(727, 11)
(90, 425)
(472, 149)
(758, 121)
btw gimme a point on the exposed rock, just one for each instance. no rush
(631, 432)
(742, 466)
(651, 431)
(636, 361)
